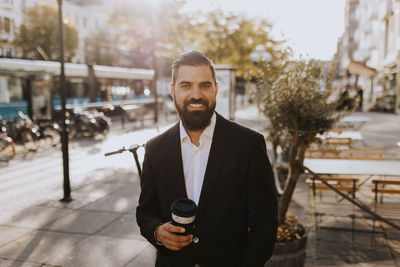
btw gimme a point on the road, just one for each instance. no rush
(36, 177)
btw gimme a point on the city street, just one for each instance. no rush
(99, 227)
(35, 177)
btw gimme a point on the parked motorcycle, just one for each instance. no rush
(7, 149)
(49, 131)
(84, 123)
(24, 132)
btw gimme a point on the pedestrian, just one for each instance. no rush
(360, 98)
(220, 165)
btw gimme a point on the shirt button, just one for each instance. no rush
(195, 240)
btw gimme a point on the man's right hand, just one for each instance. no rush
(165, 234)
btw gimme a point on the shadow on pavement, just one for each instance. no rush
(98, 228)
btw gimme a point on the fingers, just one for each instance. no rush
(173, 245)
(166, 234)
(174, 229)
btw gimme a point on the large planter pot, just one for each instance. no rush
(289, 254)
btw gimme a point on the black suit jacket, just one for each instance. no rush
(236, 221)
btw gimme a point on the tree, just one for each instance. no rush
(237, 40)
(298, 106)
(101, 48)
(153, 30)
(39, 33)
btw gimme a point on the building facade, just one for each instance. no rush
(10, 18)
(369, 50)
(88, 18)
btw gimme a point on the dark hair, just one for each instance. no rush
(194, 58)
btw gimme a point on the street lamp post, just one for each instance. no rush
(64, 133)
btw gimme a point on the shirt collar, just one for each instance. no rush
(208, 131)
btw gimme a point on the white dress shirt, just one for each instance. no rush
(195, 159)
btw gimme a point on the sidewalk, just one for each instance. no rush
(99, 227)
(336, 247)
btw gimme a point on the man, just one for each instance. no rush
(221, 166)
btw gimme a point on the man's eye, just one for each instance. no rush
(185, 86)
(206, 85)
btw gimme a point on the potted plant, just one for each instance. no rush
(299, 103)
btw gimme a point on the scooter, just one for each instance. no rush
(132, 149)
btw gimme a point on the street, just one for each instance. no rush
(99, 227)
(36, 177)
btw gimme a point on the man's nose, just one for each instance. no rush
(196, 92)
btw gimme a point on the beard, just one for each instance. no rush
(197, 119)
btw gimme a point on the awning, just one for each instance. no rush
(361, 69)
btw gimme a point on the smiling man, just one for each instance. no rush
(220, 165)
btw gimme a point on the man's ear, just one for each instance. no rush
(216, 88)
(172, 89)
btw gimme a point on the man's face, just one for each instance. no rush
(194, 94)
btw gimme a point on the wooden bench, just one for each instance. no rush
(380, 188)
(345, 154)
(338, 141)
(334, 206)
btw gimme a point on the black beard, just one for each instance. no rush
(195, 120)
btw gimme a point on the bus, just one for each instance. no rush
(32, 86)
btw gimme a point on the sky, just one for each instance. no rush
(311, 27)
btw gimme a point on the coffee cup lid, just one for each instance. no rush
(184, 207)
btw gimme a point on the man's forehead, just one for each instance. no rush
(189, 72)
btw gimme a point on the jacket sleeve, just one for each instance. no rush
(148, 211)
(262, 206)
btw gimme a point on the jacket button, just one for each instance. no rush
(195, 240)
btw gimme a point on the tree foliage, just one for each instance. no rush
(168, 31)
(101, 48)
(40, 31)
(299, 104)
(146, 28)
(237, 40)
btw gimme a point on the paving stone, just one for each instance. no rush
(129, 191)
(123, 227)
(113, 204)
(9, 234)
(33, 217)
(123, 176)
(371, 264)
(82, 222)
(146, 258)
(101, 251)
(100, 188)
(16, 263)
(79, 200)
(40, 246)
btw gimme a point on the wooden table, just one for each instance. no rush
(348, 166)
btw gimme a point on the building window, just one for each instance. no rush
(386, 46)
(7, 25)
(8, 52)
(84, 22)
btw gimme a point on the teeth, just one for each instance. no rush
(196, 105)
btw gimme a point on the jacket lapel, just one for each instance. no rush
(215, 160)
(175, 162)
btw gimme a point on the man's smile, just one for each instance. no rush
(194, 106)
